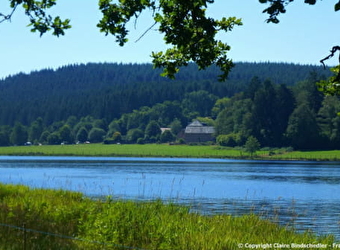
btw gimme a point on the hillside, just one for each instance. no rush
(110, 90)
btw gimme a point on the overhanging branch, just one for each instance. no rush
(145, 32)
(333, 51)
(9, 16)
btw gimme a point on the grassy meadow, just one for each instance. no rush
(166, 150)
(57, 219)
(136, 150)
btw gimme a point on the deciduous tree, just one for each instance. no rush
(152, 129)
(19, 134)
(167, 136)
(252, 145)
(96, 135)
(82, 135)
(303, 130)
(35, 130)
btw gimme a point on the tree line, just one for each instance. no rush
(109, 90)
(276, 114)
(279, 116)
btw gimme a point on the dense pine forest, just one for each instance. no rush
(277, 103)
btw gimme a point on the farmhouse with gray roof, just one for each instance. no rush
(197, 132)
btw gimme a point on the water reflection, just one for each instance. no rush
(300, 194)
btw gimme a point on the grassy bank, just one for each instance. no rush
(165, 150)
(67, 220)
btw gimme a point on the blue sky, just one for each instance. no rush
(305, 35)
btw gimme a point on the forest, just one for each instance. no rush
(277, 103)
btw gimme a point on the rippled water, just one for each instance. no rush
(302, 194)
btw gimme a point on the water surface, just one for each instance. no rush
(302, 194)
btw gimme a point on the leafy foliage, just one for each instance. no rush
(96, 135)
(252, 145)
(18, 135)
(277, 7)
(303, 130)
(331, 86)
(167, 136)
(40, 21)
(230, 140)
(185, 26)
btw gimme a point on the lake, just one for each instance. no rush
(305, 195)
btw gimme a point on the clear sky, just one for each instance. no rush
(304, 35)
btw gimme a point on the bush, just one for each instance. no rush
(96, 135)
(109, 141)
(133, 135)
(82, 135)
(252, 145)
(167, 136)
(181, 141)
(229, 140)
(140, 141)
(54, 138)
(117, 137)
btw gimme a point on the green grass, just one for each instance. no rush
(112, 224)
(329, 155)
(165, 150)
(147, 150)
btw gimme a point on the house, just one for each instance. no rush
(197, 132)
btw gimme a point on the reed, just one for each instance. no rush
(60, 219)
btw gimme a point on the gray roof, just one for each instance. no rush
(198, 128)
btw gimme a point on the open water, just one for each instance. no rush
(303, 195)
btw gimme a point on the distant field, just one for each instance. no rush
(165, 150)
(147, 150)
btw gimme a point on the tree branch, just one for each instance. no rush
(333, 51)
(145, 32)
(8, 17)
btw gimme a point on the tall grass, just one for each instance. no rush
(114, 224)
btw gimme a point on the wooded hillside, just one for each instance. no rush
(272, 105)
(106, 91)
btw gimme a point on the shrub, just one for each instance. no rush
(109, 141)
(133, 135)
(53, 138)
(96, 135)
(140, 141)
(167, 136)
(229, 140)
(252, 145)
(117, 137)
(181, 141)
